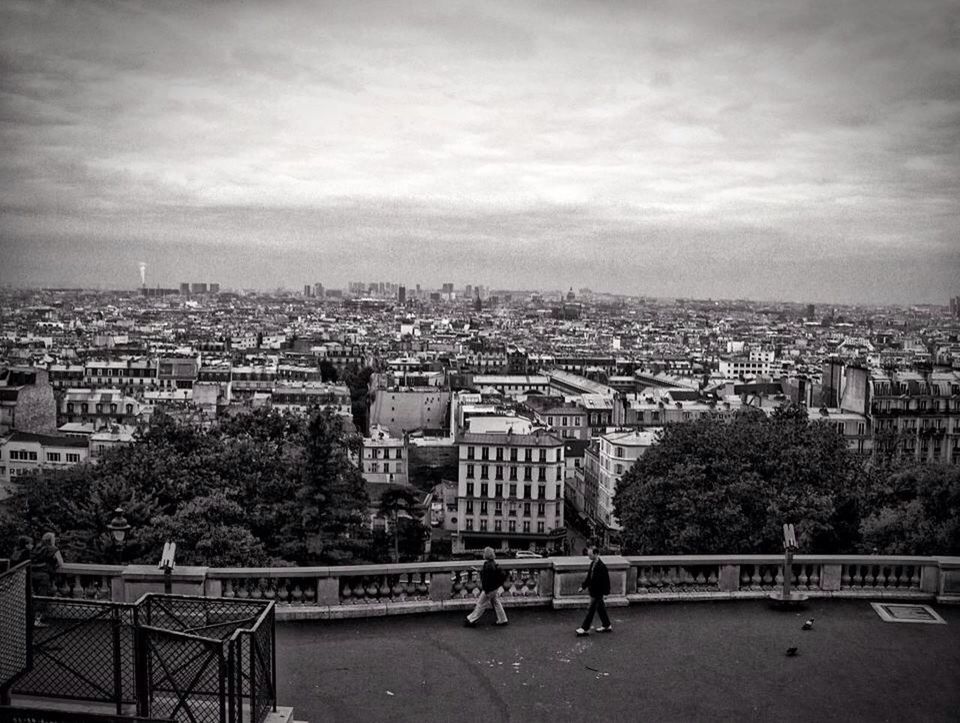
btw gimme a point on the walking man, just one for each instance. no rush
(492, 578)
(597, 583)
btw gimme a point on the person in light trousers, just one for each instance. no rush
(492, 578)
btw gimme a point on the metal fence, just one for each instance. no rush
(204, 660)
(208, 660)
(85, 651)
(16, 629)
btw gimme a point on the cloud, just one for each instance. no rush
(562, 130)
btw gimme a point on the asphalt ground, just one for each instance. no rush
(707, 661)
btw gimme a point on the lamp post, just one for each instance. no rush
(118, 529)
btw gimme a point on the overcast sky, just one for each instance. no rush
(777, 149)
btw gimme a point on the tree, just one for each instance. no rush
(333, 495)
(713, 486)
(914, 510)
(397, 503)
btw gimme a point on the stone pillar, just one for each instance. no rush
(440, 586)
(830, 576)
(328, 591)
(930, 578)
(729, 578)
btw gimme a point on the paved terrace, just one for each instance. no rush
(679, 661)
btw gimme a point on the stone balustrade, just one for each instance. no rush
(368, 590)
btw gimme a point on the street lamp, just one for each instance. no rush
(118, 529)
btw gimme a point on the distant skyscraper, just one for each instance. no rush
(447, 289)
(468, 290)
(184, 287)
(318, 290)
(402, 294)
(198, 288)
(307, 289)
(810, 312)
(215, 288)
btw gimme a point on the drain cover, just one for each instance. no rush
(903, 613)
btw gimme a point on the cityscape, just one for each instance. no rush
(327, 327)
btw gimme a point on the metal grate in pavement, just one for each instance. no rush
(907, 613)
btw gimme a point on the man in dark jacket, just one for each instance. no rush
(597, 583)
(491, 581)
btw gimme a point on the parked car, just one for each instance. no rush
(527, 555)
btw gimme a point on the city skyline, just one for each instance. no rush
(750, 150)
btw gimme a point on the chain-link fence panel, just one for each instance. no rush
(14, 624)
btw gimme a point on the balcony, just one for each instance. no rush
(353, 644)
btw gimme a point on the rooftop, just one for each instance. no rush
(663, 661)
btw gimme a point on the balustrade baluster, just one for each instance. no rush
(712, 578)
(744, 577)
(756, 578)
(857, 582)
(845, 580)
(283, 592)
(814, 583)
(310, 592)
(778, 578)
(423, 587)
(766, 579)
(296, 595)
(643, 582)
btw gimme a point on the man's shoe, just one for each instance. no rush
(469, 624)
(581, 632)
(601, 629)
(505, 622)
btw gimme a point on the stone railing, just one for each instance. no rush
(745, 576)
(369, 590)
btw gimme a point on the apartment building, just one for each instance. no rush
(383, 458)
(22, 453)
(510, 491)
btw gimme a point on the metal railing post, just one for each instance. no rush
(273, 656)
(117, 660)
(230, 684)
(142, 675)
(253, 675)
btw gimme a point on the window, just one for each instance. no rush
(513, 474)
(513, 509)
(32, 456)
(386, 467)
(528, 455)
(541, 509)
(541, 492)
(469, 489)
(513, 490)
(498, 472)
(498, 507)
(499, 454)
(543, 455)
(619, 468)
(53, 456)
(73, 457)
(484, 453)
(498, 490)
(540, 527)
(69, 407)
(469, 523)
(399, 454)
(483, 489)
(542, 474)
(527, 474)
(484, 471)
(526, 509)
(483, 525)
(469, 507)
(513, 454)
(512, 526)
(470, 454)
(526, 526)
(560, 472)
(527, 492)
(498, 525)
(99, 408)
(619, 451)
(375, 467)
(483, 507)
(469, 471)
